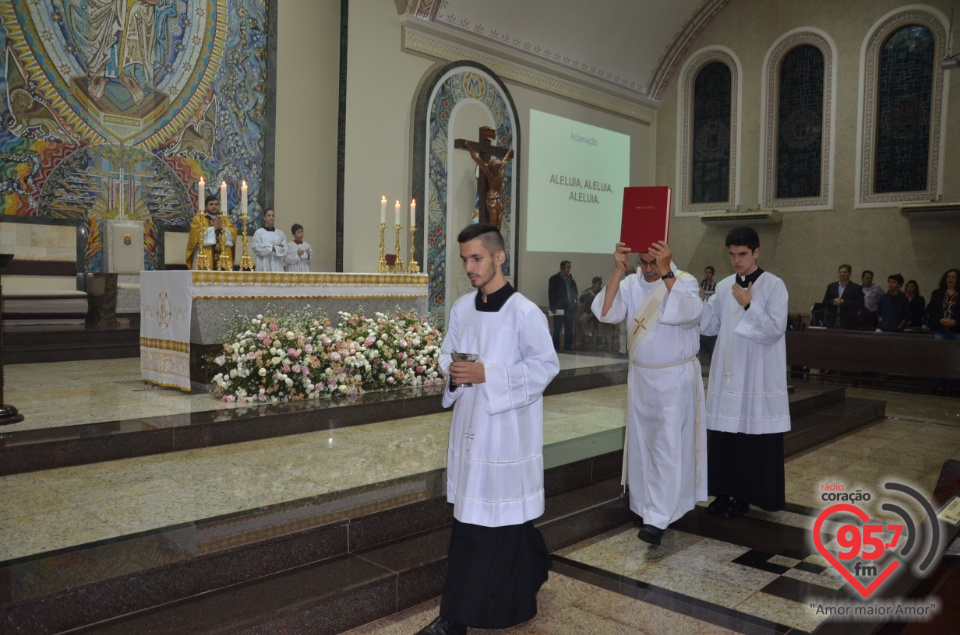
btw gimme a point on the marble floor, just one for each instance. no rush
(753, 575)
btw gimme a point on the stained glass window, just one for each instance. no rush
(800, 123)
(710, 165)
(904, 95)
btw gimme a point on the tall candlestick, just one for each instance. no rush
(202, 194)
(223, 197)
(383, 210)
(396, 214)
(243, 199)
(413, 212)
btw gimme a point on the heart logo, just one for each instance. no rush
(865, 591)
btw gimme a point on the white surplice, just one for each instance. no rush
(297, 263)
(495, 451)
(666, 439)
(747, 390)
(270, 248)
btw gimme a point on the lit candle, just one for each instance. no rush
(396, 214)
(383, 210)
(202, 187)
(413, 212)
(223, 197)
(243, 198)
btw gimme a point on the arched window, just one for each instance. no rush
(902, 110)
(708, 132)
(798, 136)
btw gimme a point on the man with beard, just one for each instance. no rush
(498, 560)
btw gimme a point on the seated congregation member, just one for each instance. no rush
(298, 251)
(843, 300)
(665, 442)
(747, 407)
(205, 232)
(944, 309)
(893, 310)
(918, 305)
(269, 244)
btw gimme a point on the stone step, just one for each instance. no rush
(313, 563)
(831, 422)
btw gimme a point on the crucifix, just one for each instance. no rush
(491, 160)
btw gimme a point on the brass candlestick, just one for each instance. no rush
(223, 262)
(398, 264)
(382, 265)
(245, 263)
(201, 263)
(413, 267)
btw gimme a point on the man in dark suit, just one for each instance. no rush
(563, 297)
(842, 300)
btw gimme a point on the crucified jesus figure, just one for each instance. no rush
(493, 170)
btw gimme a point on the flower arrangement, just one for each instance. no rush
(296, 357)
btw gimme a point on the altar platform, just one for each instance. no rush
(185, 315)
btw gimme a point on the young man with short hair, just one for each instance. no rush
(498, 559)
(893, 310)
(747, 406)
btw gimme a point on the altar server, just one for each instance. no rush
(205, 229)
(299, 252)
(269, 244)
(666, 441)
(498, 559)
(747, 406)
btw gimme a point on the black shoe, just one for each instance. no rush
(736, 508)
(650, 535)
(441, 626)
(720, 504)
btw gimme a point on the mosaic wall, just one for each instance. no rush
(115, 108)
(467, 83)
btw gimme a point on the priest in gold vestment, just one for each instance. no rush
(204, 232)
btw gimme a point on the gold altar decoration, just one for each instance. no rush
(414, 266)
(200, 263)
(398, 264)
(382, 264)
(246, 264)
(224, 263)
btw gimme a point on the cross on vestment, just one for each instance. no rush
(491, 161)
(640, 325)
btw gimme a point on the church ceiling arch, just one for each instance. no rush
(631, 45)
(441, 93)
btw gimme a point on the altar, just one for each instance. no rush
(186, 314)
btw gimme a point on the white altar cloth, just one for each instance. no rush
(180, 308)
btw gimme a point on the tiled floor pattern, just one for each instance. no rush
(614, 583)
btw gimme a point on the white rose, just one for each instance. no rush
(262, 372)
(233, 373)
(290, 335)
(288, 382)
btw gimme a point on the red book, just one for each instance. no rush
(646, 217)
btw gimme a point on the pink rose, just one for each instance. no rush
(273, 326)
(267, 342)
(261, 335)
(251, 355)
(308, 348)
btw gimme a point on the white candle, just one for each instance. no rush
(202, 187)
(413, 212)
(396, 214)
(383, 210)
(243, 199)
(223, 197)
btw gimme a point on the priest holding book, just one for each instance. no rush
(665, 444)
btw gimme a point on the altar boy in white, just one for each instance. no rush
(299, 252)
(747, 405)
(269, 244)
(498, 560)
(666, 441)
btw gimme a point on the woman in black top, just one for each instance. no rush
(943, 309)
(917, 304)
